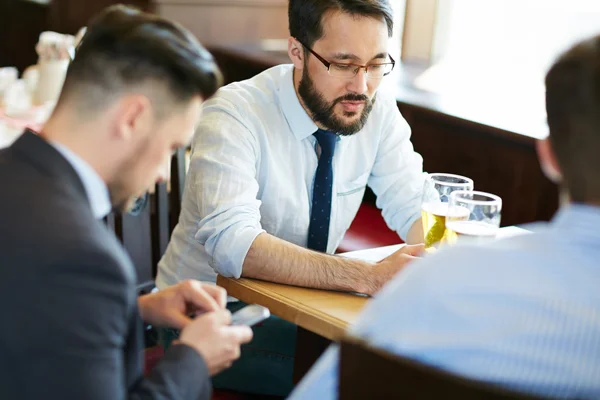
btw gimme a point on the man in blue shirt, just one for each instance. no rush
(523, 312)
(278, 170)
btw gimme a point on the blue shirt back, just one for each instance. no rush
(523, 312)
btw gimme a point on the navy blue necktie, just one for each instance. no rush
(318, 229)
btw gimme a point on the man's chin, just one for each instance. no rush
(350, 117)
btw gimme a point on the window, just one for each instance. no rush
(501, 49)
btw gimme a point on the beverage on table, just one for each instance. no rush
(435, 210)
(482, 220)
(434, 221)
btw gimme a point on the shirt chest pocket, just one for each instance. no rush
(356, 185)
(349, 197)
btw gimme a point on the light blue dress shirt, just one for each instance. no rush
(95, 188)
(252, 168)
(522, 312)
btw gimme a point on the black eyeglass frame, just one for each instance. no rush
(328, 64)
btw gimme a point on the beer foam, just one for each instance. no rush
(436, 208)
(442, 210)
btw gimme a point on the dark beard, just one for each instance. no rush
(323, 112)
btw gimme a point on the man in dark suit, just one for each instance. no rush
(71, 326)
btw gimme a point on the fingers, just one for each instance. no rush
(217, 293)
(405, 252)
(218, 318)
(178, 320)
(196, 295)
(238, 333)
(413, 249)
(223, 317)
(241, 334)
(235, 353)
(400, 261)
(431, 250)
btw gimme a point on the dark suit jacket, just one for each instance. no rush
(70, 324)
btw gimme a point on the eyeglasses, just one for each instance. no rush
(347, 71)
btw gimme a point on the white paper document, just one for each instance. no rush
(380, 253)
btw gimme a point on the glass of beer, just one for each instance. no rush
(483, 218)
(436, 194)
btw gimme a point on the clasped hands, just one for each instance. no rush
(198, 310)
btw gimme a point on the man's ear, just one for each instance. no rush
(296, 53)
(548, 161)
(133, 117)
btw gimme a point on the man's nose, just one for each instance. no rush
(358, 83)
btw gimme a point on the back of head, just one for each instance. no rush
(573, 108)
(124, 49)
(306, 16)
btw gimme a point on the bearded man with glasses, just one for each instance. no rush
(278, 170)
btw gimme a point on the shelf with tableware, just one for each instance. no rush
(27, 99)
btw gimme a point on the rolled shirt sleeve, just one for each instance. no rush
(225, 156)
(397, 176)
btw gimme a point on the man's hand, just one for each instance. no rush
(215, 339)
(172, 307)
(387, 268)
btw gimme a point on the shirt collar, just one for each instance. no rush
(300, 123)
(578, 219)
(95, 188)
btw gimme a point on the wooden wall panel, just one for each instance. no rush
(21, 23)
(68, 16)
(497, 165)
(227, 21)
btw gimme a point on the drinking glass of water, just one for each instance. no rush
(483, 218)
(434, 210)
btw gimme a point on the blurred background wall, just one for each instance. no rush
(225, 21)
(469, 80)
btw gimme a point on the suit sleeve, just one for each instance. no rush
(85, 319)
(180, 374)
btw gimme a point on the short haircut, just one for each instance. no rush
(306, 16)
(573, 110)
(124, 48)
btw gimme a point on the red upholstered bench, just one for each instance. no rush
(368, 230)
(152, 356)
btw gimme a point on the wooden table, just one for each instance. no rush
(322, 316)
(323, 312)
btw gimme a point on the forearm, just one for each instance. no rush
(415, 233)
(273, 259)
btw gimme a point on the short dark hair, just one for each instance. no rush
(573, 111)
(124, 47)
(306, 16)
